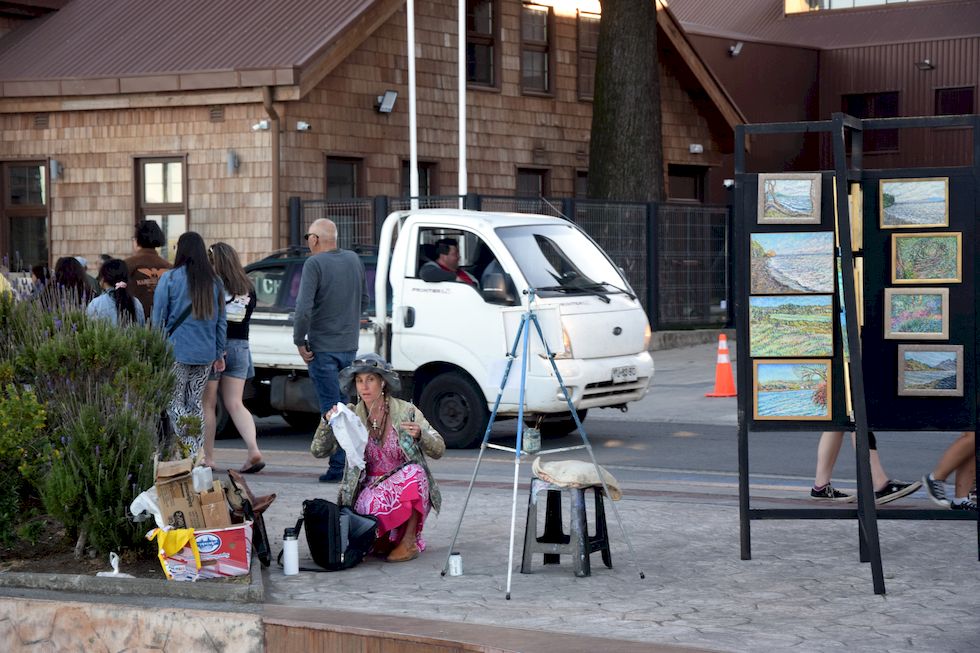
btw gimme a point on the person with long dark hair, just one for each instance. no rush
(68, 284)
(189, 306)
(115, 303)
(239, 303)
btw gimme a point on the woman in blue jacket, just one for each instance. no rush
(188, 305)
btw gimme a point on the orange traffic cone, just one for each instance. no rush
(724, 381)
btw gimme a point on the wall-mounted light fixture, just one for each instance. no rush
(260, 126)
(232, 162)
(925, 64)
(56, 169)
(302, 126)
(386, 102)
(735, 49)
(695, 148)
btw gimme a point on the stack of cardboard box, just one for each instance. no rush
(182, 506)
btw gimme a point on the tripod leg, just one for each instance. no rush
(486, 436)
(517, 450)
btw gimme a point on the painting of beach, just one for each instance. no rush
(917, 313)
(911, 203)
(792, 263)
(789, 198)
(791, 390)
(791, 326)
(927, 258)
(930, 370)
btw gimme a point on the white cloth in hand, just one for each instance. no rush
(351, 435)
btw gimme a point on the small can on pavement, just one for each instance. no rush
(531, 440)
(455, 564)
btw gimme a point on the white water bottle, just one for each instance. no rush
(290, 553)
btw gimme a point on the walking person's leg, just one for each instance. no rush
(231, 393)
(886, 489)
(954, 456)
(827, 450)
(209, 401)
(324, 369)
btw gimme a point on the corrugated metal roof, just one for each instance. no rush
(109, 38)
(763, 20)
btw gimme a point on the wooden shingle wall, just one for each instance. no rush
(506, 130)
(93, 206)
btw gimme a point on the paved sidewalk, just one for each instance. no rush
(804, 589)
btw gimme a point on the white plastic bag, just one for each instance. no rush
(147, 505)
(114, 563)
(351, 435)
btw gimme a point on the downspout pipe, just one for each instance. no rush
(276, 208)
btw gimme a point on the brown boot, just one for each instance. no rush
(404, 553)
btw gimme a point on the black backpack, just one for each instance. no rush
(338, 537)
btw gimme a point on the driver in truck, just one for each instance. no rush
(446, 266)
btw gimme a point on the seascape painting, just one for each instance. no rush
(927, 258)
(791, 390)
(911, 203)
(789, 198)
(930, 370)
(794, 326)
(917, 313)
(792, 263)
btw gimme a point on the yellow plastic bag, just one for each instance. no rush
(170, 542)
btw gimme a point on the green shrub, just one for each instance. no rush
(22, 450)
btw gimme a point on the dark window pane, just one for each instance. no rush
(479, 16)
(581, 184)
(534, 23)
(954, 101)
(534, 71)
(425, 179)
(28, 242)
(479, 64)
(341, 178)
(875, 105)
(530, 183)
(685, 182)
(26, 185)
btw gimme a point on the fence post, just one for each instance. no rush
(472, 202)
(295, 221)
(379, 208)
(568, 208)
(653, 265)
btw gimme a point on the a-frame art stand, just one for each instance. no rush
(820, 385)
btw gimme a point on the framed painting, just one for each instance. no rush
(791, 389)
(913, 203)
(930, 370)
(789, 198)
(791, 326)
(792, 263)
(927, 258)
(917, 313)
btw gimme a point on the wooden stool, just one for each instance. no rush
(554, 542)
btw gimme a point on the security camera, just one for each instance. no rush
(728, 183)
(260, 126)
(302, 126)
(736, 49)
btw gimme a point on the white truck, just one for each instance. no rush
(449, 340)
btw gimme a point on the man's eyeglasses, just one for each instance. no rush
(307, 237)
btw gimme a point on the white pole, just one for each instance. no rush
(461, 27)
(413, 153)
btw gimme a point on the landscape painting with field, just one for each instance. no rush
(792, 263)
(788, 198)
(914, 203)
(930, 370)
(792, 389)
(791, 326)
(917, 313)
(926, 258)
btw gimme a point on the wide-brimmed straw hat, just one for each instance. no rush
(368, 363)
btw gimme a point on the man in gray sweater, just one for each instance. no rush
(332, 293)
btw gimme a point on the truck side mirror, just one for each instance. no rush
(498, 288)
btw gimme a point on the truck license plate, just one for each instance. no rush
(624, 374)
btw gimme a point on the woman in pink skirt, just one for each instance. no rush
(395, 485)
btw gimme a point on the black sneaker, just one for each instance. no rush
(936, 490)
(895, 490)
(965, 505)
(331, 477)
(829, 493)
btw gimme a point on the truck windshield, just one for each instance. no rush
(560, 259)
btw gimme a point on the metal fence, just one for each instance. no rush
(675, 256)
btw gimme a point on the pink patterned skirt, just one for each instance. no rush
(393, 500)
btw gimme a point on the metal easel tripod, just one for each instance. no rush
(522, 339)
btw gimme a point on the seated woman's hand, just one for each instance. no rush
(330, 413)
(412, 429)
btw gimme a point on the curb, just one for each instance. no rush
(232, 590)
(662, 340)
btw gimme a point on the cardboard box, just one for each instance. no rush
(224, 552)
(215, 507)
(179, 503)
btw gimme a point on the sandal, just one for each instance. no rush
(253, 468)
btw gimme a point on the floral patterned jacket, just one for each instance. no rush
(429, 444)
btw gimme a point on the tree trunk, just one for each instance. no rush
(626, 148)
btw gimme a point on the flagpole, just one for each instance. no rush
(413, 153)
(461, 28)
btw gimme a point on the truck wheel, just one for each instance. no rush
(558, 425)
(302, 421)
(456, 408)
